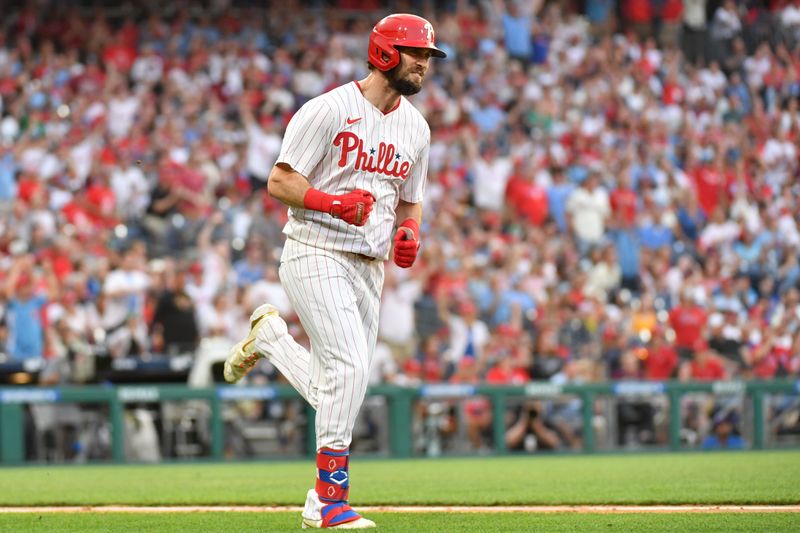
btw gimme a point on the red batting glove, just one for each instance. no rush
(353, 207)
(406, 243)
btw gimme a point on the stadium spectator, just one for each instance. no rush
(27, 299)
(661, 362)
(588, 209)
(175, 328)
(725, 434)
(397, 317)
(705, 364)
(688, 320)
(468, 334)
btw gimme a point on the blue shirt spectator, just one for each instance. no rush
(739, 88)
(488, 118)
(655, 235)
(480, 292)
(748, 251)
(642, 175)
(8, 170)
(597, 11)
(540, 48)
(732, 442)
(517, 34)
(557, 196)
(510, 298)
(691, 222)
(628, 248)
(25, 330)
(250, 268)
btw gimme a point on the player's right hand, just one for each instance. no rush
(353, 207)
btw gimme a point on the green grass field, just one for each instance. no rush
(395, 522)
(639, 479)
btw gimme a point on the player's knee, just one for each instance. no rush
(272, 329)
(357, 375)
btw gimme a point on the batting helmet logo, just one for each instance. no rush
(428, 29)
(400, 30)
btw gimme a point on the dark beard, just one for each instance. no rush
(401, 85)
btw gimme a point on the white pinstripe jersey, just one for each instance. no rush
(340, 142)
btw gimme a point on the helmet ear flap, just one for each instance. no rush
(392, 56)
(383, 55)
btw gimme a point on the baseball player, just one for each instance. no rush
(352, 165)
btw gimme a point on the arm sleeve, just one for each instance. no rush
(413, 190)
(307, 137)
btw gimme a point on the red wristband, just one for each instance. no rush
(317, 200)
(413, 225)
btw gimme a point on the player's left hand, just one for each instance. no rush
(406, 243)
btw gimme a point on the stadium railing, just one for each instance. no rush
(400, 402)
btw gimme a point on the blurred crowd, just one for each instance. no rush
(612, 190)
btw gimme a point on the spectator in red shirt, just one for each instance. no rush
(60, 256)
(671, 18)
(662, 359)
(526, 198)
(506, 373)
(704, 366)
(638, 14)
(119, 55)
(100, 201)
(624, 200)
(710, 184)
(688, 320)
(768, 357)
(430, 360)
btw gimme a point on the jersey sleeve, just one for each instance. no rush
(413, 190)
(307, 137)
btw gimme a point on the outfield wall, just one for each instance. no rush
(401, 404)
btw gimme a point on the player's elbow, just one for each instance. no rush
(273, 187)
(276, 183)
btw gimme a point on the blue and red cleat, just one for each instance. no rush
(326, 504)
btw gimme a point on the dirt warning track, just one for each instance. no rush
(583, 509)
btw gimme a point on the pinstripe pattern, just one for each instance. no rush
(294, 361)
(336, 295)
(308, 147)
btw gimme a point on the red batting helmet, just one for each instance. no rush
(399, 30)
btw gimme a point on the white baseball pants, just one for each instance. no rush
(337, 297)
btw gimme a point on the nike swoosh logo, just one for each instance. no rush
(246, 345)
(352, 120)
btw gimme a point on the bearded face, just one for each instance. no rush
(406, 78)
